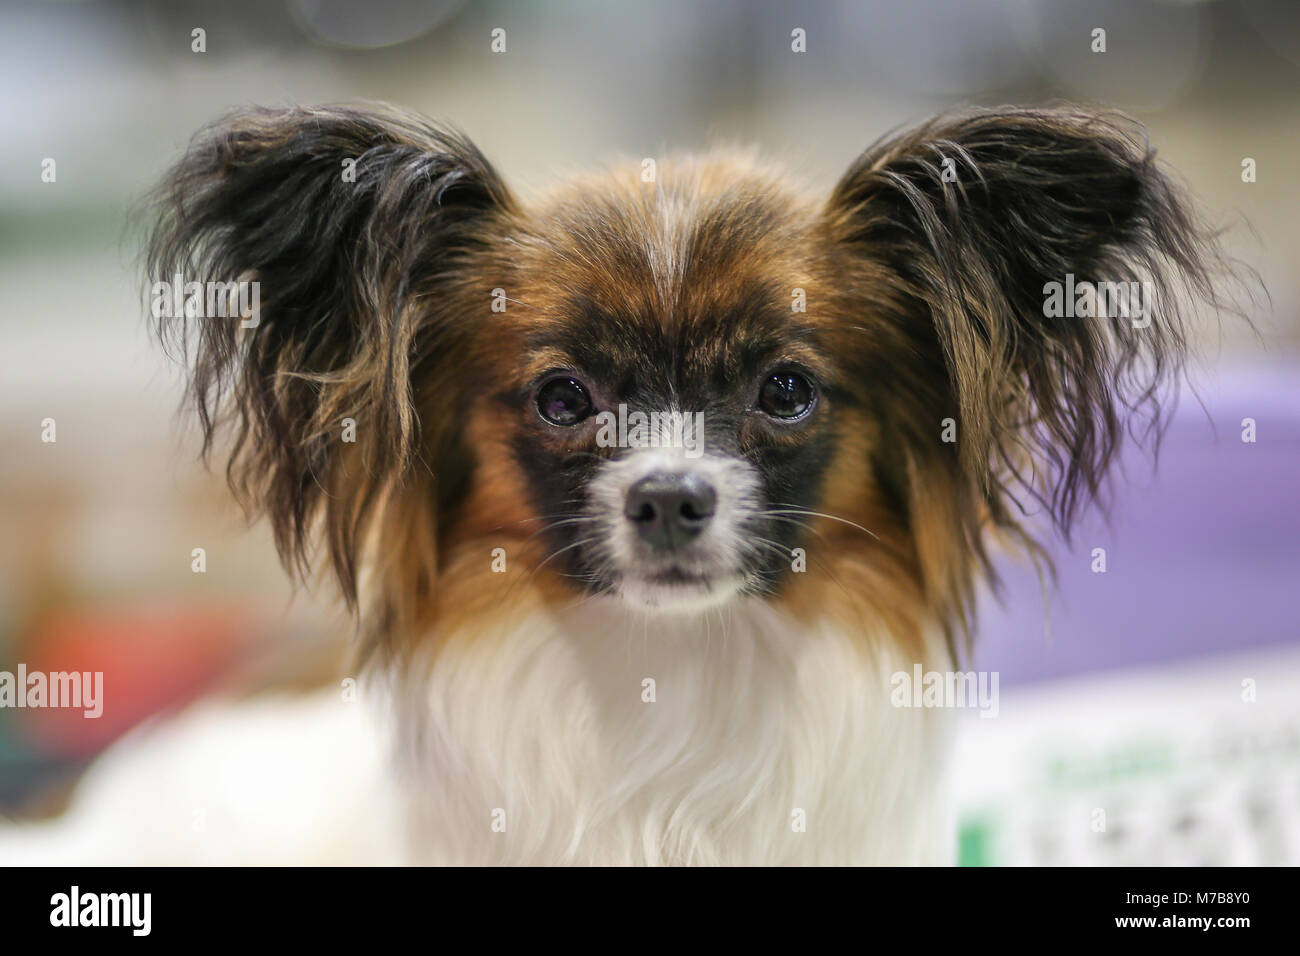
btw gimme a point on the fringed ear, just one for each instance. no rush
(356, 227)
(1040, 266)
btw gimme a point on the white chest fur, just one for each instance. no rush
(604, 736)
(594, 737)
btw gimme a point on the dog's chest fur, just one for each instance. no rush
(595, 736)
(606, 736)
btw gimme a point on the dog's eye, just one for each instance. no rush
(786, 395)
(563, 401)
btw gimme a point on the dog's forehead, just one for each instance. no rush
(701, 274)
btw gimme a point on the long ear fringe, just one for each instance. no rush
(345, 264)
(972, 215)
(1040, 196)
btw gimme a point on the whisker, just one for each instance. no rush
(560, 551)
(794, 510)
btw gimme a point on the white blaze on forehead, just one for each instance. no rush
(666, 247)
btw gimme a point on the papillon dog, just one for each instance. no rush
(640, 490)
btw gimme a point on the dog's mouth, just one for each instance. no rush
(687, 582)
(678, 588)
(679, 576)
(695, 579)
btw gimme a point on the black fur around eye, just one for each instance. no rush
(563, 401)
(786, 395)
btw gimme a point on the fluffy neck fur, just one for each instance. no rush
(770, 739)
(758, 723)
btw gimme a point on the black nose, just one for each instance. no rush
(668, 510)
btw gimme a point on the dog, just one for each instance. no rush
(639, 491)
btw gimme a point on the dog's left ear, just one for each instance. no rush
(360, 228)
(950, 238)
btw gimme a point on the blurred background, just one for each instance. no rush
(1124, 691)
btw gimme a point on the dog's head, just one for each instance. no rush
(682, 382)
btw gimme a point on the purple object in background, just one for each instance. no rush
(1202, 555)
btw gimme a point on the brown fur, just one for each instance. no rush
(924, 303)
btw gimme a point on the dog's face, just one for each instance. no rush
(686, 389)
(673, 408)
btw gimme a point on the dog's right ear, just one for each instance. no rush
(356, 225)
